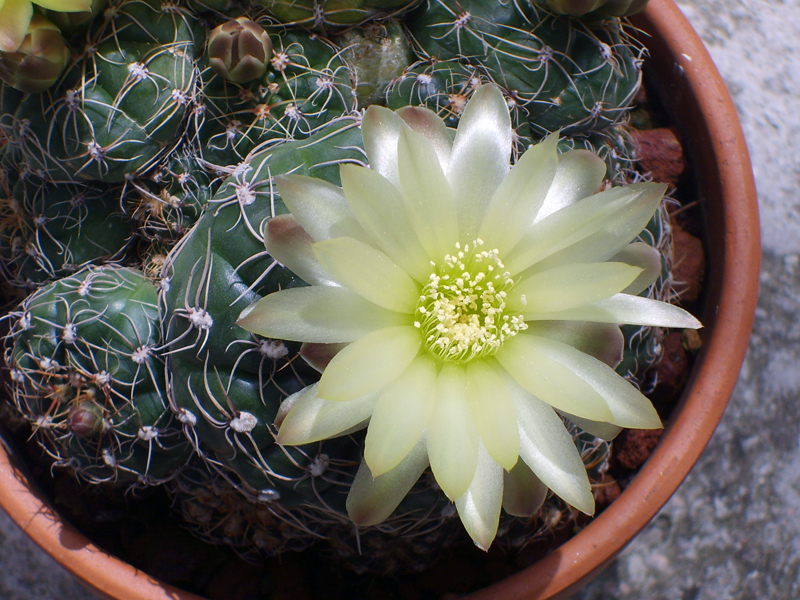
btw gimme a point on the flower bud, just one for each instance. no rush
(39, 61)
(85, 418)
(239, 50)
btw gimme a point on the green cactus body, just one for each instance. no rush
(86, 373)
(228, 385)
(594, 9)
(556, 73)
(379, 53)
(171, 198)
(306, 85)
(122, 103)
(54, 229)
(326, 14)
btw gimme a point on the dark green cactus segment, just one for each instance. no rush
(86, 372)
(592, 10)
(378, 54)
(53, 229)
(306, 85)
(169, 199)
(217, 510)
(323, 15)
(442, 86)
(227, 384)
(558, 73)
(121, 104)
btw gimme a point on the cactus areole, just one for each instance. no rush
(476, 302)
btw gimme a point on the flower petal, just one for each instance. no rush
(65, 5)
(567, 286)
(369, 273)
(551, 380)
(523, 492)
(610, 219)
(290, 244)
(427, 195)
(370, 363)
(373, 499)
(312, 419)
(316, 314)
(452, 436)
(516, 201)
(319, 206)
(580, 173)
(379, 208)
(547, 448)
(426, 122)
(479, 507)
(318, 356)
(604, 341)
(645, 257)
(604, 431)
(380, 128)
(628, 406)
(481, 155)
(625, 309)
(15, 15)
(493, 413)
(400, 416)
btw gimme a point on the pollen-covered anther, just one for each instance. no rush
(462, 312)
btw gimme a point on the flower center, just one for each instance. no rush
(462, 309)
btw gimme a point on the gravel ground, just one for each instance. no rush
(732, 530)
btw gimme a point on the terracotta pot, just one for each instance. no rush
(702, 109)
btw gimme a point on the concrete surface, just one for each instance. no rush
(732, 531)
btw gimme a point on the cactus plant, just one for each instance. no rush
(86, 374)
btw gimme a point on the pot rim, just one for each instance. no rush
(712, 127)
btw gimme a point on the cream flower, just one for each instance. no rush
(457, 305)
(15, 15)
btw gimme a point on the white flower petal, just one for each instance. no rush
(493, 412)
(481, 155)
(427, 195)
(312, 419)
(400, 416)
(614, 218)
(452, 435)
(567, 286)
(373, 499)
(517, 200)
(380, 129)
(370, 363)
(523, 492)
(426, 122)
(315, 203)
(626, 310)
(547, 448)
(551, 380)
(604, 341)
(369, 273)
(290, 244)
(379, 208)
(319, 355)
(646, 258)
(322, 314)
(579, 175)
(604, 431)
(628, 406)
(479, 507)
